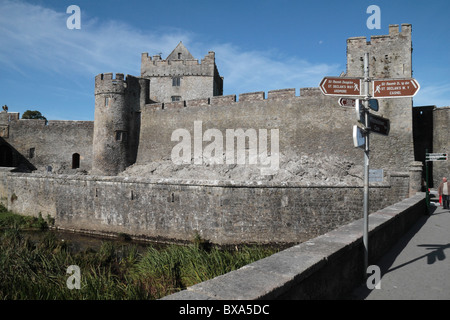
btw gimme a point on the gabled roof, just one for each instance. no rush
(180, 53)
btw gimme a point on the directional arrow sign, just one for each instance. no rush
(436, 156)
(351, 102)
(347, 102)
(379, 125)
(395, 88)
(340, 86)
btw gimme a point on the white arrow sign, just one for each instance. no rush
(346, 102)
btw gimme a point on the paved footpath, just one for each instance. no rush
(418, 266)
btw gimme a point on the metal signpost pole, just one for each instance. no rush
(366, 165)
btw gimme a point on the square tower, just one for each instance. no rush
(181, 77)
(390, 57)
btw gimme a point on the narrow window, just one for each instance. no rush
(179, 55)
(31, 153)
(75, 161)
(176, 81)
(106, 101)
(121, 135)
(176, 98)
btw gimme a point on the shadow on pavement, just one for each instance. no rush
(388, 259)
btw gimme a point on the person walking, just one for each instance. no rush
(444, 191)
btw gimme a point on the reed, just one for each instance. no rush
(37, 270)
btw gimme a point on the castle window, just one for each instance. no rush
(176, 81)
(75, 161)
(176, 98)
(107, 102)
(31, 153)
(179, 55)
(121, 135)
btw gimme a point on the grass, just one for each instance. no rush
(10, 220)
(37, 270)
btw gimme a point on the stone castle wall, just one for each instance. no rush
(310, 124)
(37, 145)
(441, 143)
(222, 212)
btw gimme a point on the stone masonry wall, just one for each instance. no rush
(222, 212)
(52, 144)
(310, 124)
(441, 143)
(196, 80)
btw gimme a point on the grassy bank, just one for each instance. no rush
(38, 270)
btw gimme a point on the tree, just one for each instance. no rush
(33, 115)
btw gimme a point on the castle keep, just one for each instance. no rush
(181, 77)
(117, 174)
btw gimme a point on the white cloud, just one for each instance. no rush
(433, 94)
(37, 38)
(35, 43)
(248, 71)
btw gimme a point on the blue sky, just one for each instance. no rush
(260, 45)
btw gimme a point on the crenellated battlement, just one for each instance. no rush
(390, 55)
(157, 61)
(111, 77)
(281, 94)
(157, 67)
(180, 76)
(110, 83)
(394, 33)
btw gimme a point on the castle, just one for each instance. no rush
(131, 142)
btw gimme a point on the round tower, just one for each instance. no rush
(111, 124)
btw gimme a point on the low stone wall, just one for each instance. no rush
(326, 267)
(223, 212)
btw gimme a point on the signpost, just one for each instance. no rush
(360, 114)
(395, 88)
(373, 104)
(358, 137)
(386, 88)
(379, 125)
(338, 86)
(350, 102)
(347, 102)
(436, 156)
